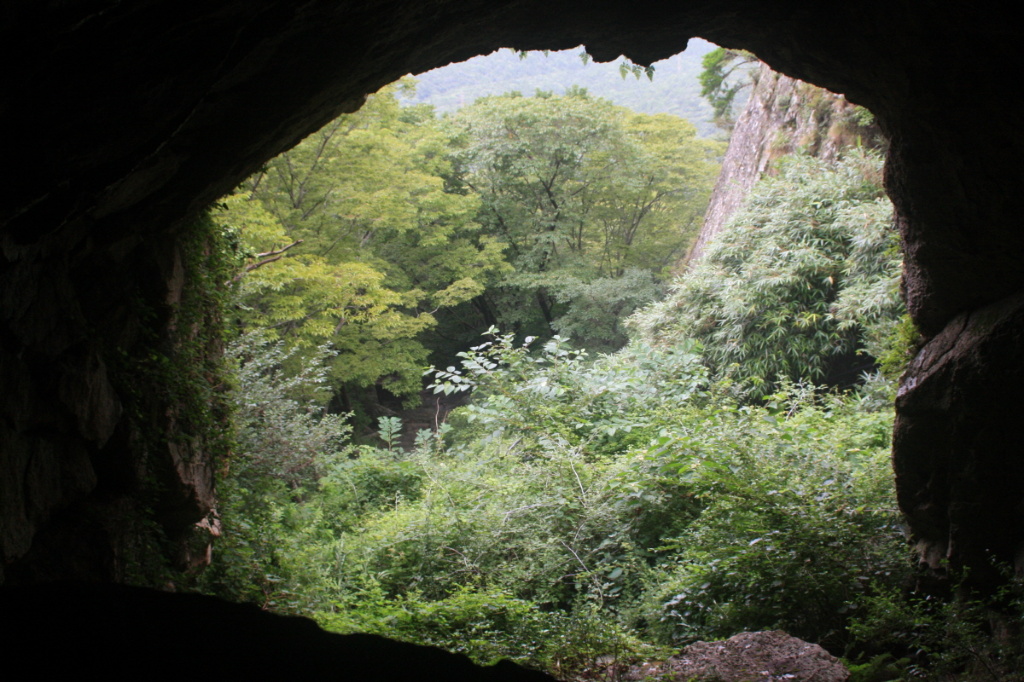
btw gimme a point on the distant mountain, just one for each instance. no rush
(674, 89)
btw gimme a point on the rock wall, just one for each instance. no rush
(104, 466)
(781, 116)
(125, 119)
(958, 439)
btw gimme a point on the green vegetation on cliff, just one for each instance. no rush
(802, 284)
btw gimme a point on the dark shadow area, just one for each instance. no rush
(128, 633)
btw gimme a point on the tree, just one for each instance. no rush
(355, 240)
(308, 301)
(578, 190)
(726, 73)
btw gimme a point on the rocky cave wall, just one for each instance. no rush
(781, 116)
(123, 120)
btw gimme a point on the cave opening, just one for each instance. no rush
(92, 221)
(458, 559)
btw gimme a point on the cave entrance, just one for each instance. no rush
(574, 482)
(94, 215)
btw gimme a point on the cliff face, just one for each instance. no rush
(126, 119)
(782, 115)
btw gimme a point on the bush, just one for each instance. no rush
(964, 638)
(798, 523)
(368, 481)
(490, 625)
(275, 545)
(802, 284)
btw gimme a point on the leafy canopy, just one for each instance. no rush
(588, 199)
(356, 241)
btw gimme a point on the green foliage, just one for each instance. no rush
(596, 310)
(576, 507)
(487, 626)
(899, 349)
(581, 193)
(579, 503)
(803, 280)
(798, 521)
(726, 73)
(284, 442)
(554, 392)
(744, 517)
(390, 431)
(281, 435)
(863, 116)
(967, 637)
(354, 240)
(386, 227)
(185, 368)
(881, 668)
(628, 68)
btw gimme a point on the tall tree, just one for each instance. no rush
(581, 192)
(356, 242)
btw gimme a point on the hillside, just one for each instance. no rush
(674, 88)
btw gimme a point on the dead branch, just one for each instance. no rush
(273, 256)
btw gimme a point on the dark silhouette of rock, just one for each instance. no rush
(110, 632)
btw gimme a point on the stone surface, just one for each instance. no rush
(782, 115)
(770, 656)
(959, 443)
(124, 119)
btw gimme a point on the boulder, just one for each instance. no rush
(769, 656)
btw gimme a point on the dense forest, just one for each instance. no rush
(637, 458)
(391, 234)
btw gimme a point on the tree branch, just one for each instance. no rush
(273, 256)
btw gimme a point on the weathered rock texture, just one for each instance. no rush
(123, 119)
(960, 451)
(770, 656)
(782, 116)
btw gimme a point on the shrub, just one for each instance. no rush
(489, 625)
(801, 281)
(967, 637)
(798, 523)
